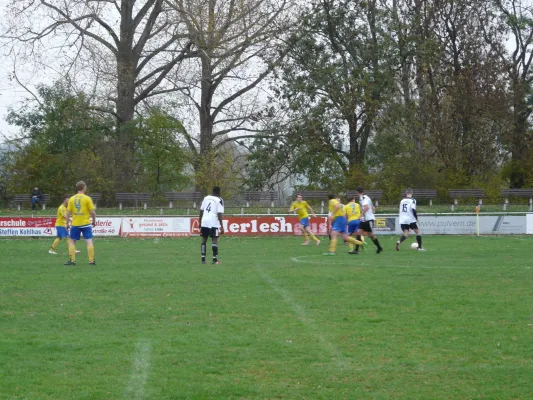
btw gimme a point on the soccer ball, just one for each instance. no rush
(414, 246)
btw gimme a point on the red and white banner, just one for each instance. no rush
(156, 227)
(266, 225)
(107, 226)
(15, 226)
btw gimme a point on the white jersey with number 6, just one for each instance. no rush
(407, 206)
(211, 206)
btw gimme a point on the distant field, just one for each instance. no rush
(275, 320)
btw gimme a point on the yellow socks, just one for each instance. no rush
(332, 245)
(90, 252)
(354, 241)
(313, 237)
(56, 243)
(72, 252)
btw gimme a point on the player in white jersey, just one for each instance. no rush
(409, 219)
(367, 218)
(211, 212)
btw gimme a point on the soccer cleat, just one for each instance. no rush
(305, 243)
(216, 262)
(421, 249)
(92, 263)
(78, 251)
(51, 251)
(70, 263)
(398, 245)
(329, 253)
(353, 252)
(318, 242)
(379, 250)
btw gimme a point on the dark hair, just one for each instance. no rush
(66, 197)
(409, 191)
(360, 189)
(331, 196)
(352, 198)
(216, 190)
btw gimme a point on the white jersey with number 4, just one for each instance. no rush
(407, 206)
(211, 206)
(369, 214)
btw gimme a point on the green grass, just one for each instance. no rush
(275, 320)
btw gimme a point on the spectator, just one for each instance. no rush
(36, 196)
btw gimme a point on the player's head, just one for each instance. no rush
(351, 198)
(360, 190)
(216, 190)
(81, 186)
(298, 197)
(36, 188)
(409, 192)
(331, 196)
(65, 199)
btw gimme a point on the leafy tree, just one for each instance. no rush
(61, 142)
(161, 154)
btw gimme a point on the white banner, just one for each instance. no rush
(107, 226)
(156, 227)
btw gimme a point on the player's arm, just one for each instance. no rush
(200, 217)
(67, 218)
(221, 229)
(311, 210)
(415, 214)
(93, 216)
(293, 207)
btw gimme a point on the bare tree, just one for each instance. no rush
(235, 41)
(516, 18)
(128, 48)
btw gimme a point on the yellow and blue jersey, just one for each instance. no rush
(352, 211)
(339, 212)
(301, 208)
(61, 213)
(80, 206)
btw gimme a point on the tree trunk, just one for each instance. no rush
(125, 163)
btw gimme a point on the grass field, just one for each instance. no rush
(275, 320)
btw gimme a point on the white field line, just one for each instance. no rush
(299, 260)
(139, 374)
(304, 318)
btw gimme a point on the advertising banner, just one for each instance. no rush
(107, 226)
(15, 226)
(142, 227)
(466, 225)
(267, 225)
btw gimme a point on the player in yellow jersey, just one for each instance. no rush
(353, 214)
(301, 206)
(338, 225)
(61, 225)
(81, 208)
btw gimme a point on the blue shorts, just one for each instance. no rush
(339, 224)
(61, 232)
(86, 231)
(304, 222)
(353, 226)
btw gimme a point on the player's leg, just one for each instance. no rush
(369, 229)
(405, 235)
(88, 236)
(311, 234)
(418, 238)
(214, 245)
(75, 234)
(304, 224)
(332, 241)
(204, 232)
(61, 233)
